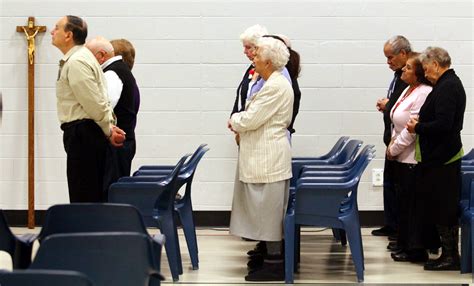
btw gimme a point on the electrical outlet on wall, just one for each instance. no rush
(377, 177)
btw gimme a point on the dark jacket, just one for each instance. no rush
(440, 120)
(242, 92)
(400, 86)
(127, 107)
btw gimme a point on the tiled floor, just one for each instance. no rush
(223, 262)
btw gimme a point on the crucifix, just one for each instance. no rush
(30, 33)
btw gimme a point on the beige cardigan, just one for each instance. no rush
(265, 153)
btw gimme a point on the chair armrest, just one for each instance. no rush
(136, 179)
(152, 173)
(156, 167)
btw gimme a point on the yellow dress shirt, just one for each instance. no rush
(81, 90)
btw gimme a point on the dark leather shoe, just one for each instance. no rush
(270, 271)
(411, 256)
(384, 231)
(393, 246)
(393, 237)
(260, 248)
(255, 263)
(400, 256)
(447, 262)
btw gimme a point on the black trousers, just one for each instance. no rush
(85, 145)
(440, 187)
(390, 201)
(118, 163)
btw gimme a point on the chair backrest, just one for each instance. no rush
(7, 238)
(166, 199)
(119, 259)
(347, 153)
(353, 165)
(44, 277)
(326, 199)
(469, 156)
(92, 217)
(143, 195)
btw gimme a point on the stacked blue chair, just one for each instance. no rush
(183, 205)
(469, 155)
(155, 201)
(326, 202)
(344, 156)
(19, 247)
(467, 223)
(44, 277)
(333, 152)
(108, 258)
(94, 217)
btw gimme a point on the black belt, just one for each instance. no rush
(67, 125)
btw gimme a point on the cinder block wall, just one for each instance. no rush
(189, 63)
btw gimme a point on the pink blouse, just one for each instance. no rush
(403, 142)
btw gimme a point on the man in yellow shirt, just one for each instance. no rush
(84, 112)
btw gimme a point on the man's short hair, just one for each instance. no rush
(78, 27)
(399, 43)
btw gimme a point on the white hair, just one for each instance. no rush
(273, 50)
(252, 34)
(436, 54)
(100, 43)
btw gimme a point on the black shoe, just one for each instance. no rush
(384, 231)
(393, 246)
(255, 263)
(411, 256)
(260, 248)
(393, 237)
(449, 259)
(400, 256)
(272, 270)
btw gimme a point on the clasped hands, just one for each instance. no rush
(117, 136)
(237, 136)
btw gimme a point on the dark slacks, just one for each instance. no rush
(440, 187)
(414, 231)
(85, 145)
(390, 202)
(118, 163)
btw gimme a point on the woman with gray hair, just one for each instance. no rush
(439, 152)
(258, 208)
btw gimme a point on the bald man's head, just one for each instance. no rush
(101, 48)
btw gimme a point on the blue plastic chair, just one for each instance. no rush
(44, 277)
(94, 217)
(469, 155)
(183, 206)
(345, 156)
(467, 232)
(325, 204)
(170, 167)
(334, 151)
(19, 247)
(109, 258)
(155, 201)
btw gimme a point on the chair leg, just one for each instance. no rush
(297, 246)
(466, 247)
(289, 248)
(168, 228)
(187, 221)
(355, 243)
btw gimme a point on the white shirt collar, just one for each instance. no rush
(110, 61)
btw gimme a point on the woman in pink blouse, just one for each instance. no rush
(410, 242)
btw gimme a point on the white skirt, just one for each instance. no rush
(258, 210)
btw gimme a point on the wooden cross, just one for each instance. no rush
(30, 33)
